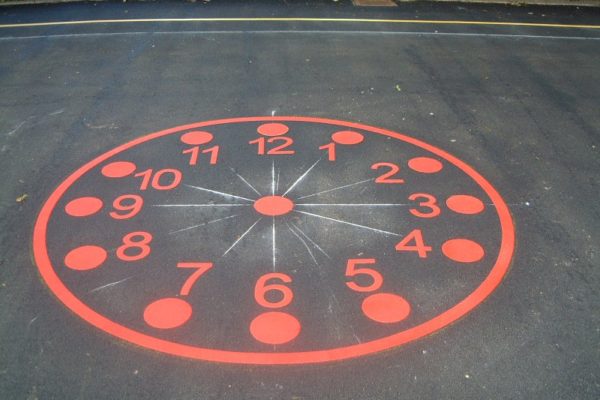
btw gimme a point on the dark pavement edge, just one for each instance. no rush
(573, 3)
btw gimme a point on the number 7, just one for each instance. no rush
(201, 268)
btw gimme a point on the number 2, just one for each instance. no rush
(386, 177)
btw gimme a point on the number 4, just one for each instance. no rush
(418, 246)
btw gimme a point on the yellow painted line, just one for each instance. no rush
(357, 20)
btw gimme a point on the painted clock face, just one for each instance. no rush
(273, 240)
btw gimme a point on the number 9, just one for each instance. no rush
(131, 204)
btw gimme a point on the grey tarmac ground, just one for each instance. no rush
(497, 104)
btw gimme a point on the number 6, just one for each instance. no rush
(262, 288)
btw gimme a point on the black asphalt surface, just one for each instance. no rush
(520, 104)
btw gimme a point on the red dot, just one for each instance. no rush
(196, 137)
(347, 137)
(463, 250)
(167, 313)
(83, 206)
(275, 327)
(386, 308)
(465, 204)
(425, 165)
(118, 169)
(85, 257)
(273, 205)
(273, 129)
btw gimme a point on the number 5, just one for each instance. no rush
(352, 270)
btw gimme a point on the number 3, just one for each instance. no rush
(430, 203)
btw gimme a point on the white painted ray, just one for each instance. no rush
(337, 188)
(246, 182)
(310, 240)
(203, 205)
(301, 177)
(274, 247)
(320, 272)
(273, 178)
(304, 243)
(219, 193)
(203, 224)
(241, 237)
(110, 284)
(354, 204)
(348, 223)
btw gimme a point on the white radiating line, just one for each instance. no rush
(241, 237)
(202, 224)
(320, 272)
(109, 284)
(304, 243)
(202, 205)
(273, 178)
(348, 223)
(337, 188)
(311, 241)
(277, 181)
(246, 182)
(354, 204)
(301, 177)
(274, 247)
(217, 192)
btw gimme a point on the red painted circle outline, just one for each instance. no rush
(488, 285)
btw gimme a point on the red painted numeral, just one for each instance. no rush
(131, 204)
(429, 203)
(214, 154)
(171, 178)
(330, 148)
(195, 151)
(200, 267)
(261, 143)
(287, 142)
(352, 270)
(386, 177)
(419, 245)
(261, 289)
(129, 243)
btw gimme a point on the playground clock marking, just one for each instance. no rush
(273, 240)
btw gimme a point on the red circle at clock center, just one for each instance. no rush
(273, 206)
